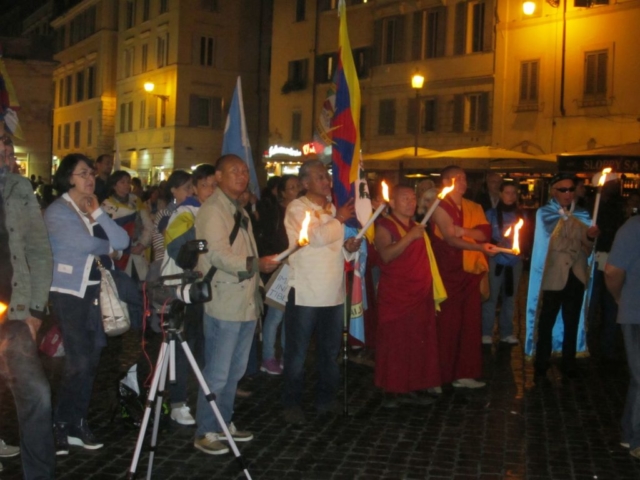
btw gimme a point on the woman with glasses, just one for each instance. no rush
(131, 214)
(81, 234)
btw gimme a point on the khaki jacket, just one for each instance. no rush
(568, 247)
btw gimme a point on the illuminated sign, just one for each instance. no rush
(309, 149)
(278, 150)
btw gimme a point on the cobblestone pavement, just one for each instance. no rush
(509, 430)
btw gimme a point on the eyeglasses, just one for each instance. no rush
(566, 189)
(85, 174)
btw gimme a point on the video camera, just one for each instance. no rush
(187, 287)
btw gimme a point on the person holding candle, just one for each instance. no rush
(459, 235)
(409, 292)
(504, 269)
(316, 298)
(559, 274)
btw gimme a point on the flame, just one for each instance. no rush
(516, 237)
(303, 239)
(385, 191)
(3, 309)
(508, 232)
(447, 190)
(603, 176)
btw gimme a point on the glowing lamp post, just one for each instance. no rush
(376, 214)
(417, 81)
(445, 191)
(303, 239)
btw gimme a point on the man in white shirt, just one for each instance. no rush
(316, 299)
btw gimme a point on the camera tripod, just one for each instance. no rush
(166, 361)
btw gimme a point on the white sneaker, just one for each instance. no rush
(435, 390)
(182, 415)
(468, 383)
(510, 339)
(7, 451)
(487, 339)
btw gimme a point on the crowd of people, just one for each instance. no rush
(442, 287)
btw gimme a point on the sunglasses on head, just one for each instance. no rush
(566, 189)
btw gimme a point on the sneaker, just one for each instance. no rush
(635, 452)
(182, 416)
(510, 339)
(61, 439)
(7, 451)
(294, 416)
(237, 435)
(625, 445)
(242, 393)
(271, 366)
(435, 390)
(81, 436)
(468, 383)
(210, 443)
(487, 339)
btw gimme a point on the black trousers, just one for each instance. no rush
(569, 299)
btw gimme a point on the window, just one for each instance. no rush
(126, 117)
(210, 5)
(89, 132)
(428, 115)
(145, 10)
(60, 41)
(589, 3)
(296, 126)
(162, 51)
(144, 58)
(595, 74)
(76, 134)
(59, 137)
(300, 10)
(61, 93)
(362, 60)
(205, 112)
(68, 99)
(130, 12)
(387, 117)
(91, 82)
(82, 26)
(207, 46)
(128, 61)
(389, 40)
(297, 77)
(143, 113)
(471, 112)
(528, 83)
(67, 134)
(326, 67)
(473, 29)
(80, 86)
(163, 111)
(163, 6)
(429, 33)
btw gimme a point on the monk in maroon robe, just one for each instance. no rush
(459, 232)
(407, 341)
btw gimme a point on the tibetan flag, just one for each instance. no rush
(236, 138)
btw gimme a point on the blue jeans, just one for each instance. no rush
(300, 323)
(21, 369)
(227, 346)
(269, 332)
(631, 415)
(496, 283)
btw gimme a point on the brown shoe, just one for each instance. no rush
(241, 393)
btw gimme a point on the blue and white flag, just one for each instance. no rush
(236, 139)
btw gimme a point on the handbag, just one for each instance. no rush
(115, 315)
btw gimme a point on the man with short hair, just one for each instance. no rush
(489, 198)
(26, 268)
(316, 299)
(231, 315)
(104, 166)
(622, 276)
(559, 275)
(459, 235)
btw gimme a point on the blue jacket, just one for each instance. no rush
(509, 219)
(74, 246)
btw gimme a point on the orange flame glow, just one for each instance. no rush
(447, 190)
(3, 309)
(304, 231)
(516, 236)
(385, 191)
(603, 176)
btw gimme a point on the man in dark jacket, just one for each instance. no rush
(25, 277)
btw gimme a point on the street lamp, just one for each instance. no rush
(417, 81)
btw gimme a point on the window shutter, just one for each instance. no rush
(411, 116)
(602, 73)
(441, 31)
(399, 42)
(377, 43)
(320, 70)
(430, 116)
(193, 110)
(582, 3)
(460, 31)
(458, 113)
(533, 83)
(483, 121)
(216, 113)
(416, 36)
(590, 75)
(524, 81)
(487, 41)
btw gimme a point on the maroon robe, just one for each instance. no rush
(460, 317)
(407, 339)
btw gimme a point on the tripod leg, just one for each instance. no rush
(212, 401)
(160, 365)
(169, 357)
